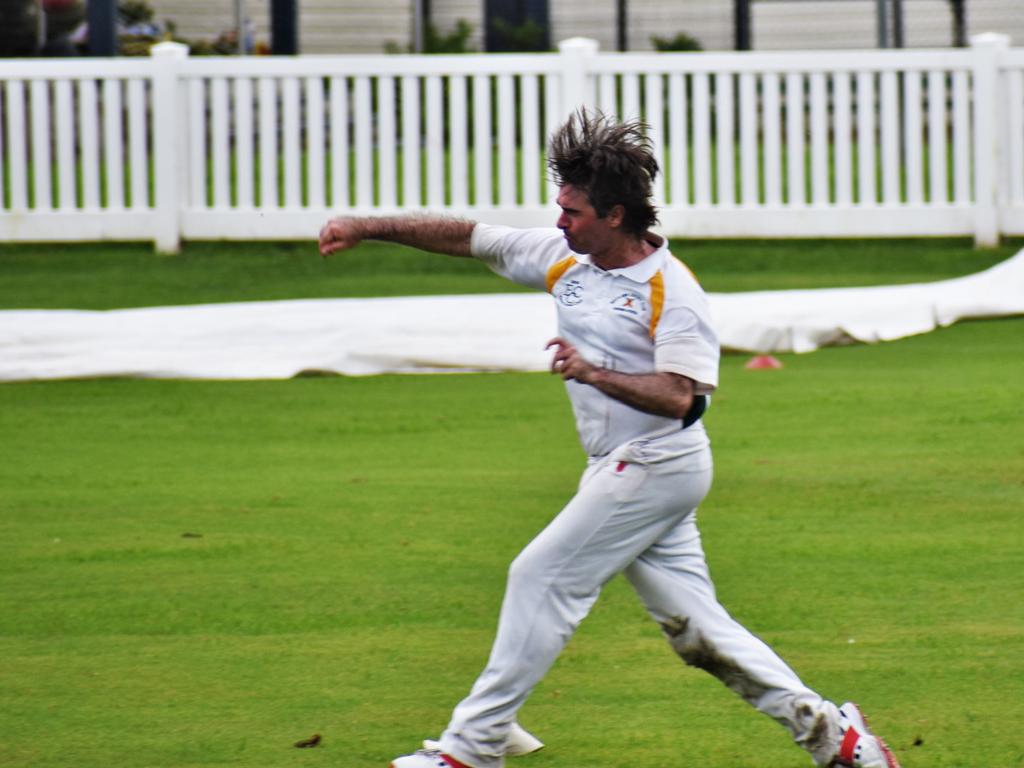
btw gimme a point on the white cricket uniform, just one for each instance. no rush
(635, 509)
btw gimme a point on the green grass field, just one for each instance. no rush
(203, 573)
(128, 275)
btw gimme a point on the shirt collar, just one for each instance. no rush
(642, 271)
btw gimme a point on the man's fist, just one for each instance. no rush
(338, 235)
(568, 362)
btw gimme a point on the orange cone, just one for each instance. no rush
(762, 362)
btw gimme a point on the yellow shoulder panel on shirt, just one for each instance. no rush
(657, 299)
(558, 269)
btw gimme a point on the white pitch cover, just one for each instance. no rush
(491, 332)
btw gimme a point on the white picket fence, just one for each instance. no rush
(822, 144)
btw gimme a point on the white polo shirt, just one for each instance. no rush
(650, 317)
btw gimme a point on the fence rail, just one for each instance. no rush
(868, 143)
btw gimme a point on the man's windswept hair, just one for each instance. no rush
(612, 163)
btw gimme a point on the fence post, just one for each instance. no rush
(986, 49)
(167, 140)
(576, 55)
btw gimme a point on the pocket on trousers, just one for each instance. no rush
(626, 479)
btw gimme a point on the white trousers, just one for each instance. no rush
(640, 520)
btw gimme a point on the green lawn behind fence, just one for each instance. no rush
(129, 275)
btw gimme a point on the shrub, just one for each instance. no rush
(681, 42)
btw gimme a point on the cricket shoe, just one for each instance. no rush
(427, 758)
(860, 748)
(519, 742)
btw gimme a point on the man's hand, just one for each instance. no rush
(664, 394)
(569, 363)
(339, 234)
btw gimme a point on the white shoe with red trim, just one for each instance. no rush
(427, 758)
(860, 748)
(519, 742)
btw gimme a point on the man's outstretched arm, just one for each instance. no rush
(439, 234)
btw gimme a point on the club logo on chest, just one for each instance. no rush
(572, 293)
(629, 303)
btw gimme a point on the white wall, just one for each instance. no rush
(796, 25)
(851, 23)
(325, 26)
(344, 26)
(595, 20)
(781, 26)
(348, 26)
(709, 21)
(1003, 16)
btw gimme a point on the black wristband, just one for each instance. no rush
(697, 408)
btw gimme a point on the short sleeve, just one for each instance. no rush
(686, 344)
(520, 255)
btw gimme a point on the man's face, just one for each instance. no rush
(584, 230)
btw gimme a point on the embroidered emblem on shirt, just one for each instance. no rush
(629, 303)
(572, 293)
